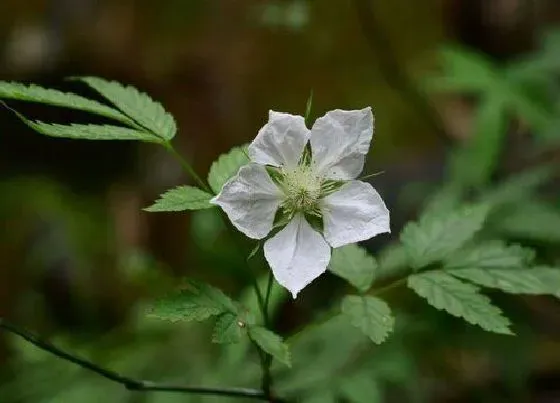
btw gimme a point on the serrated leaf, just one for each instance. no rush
(136, 105)
(460, 299)
(369, 314)
(226, 166)
(195, 301)
(537, 281)
(35, 93)
(434, 237)
(490, 255)
(227, 329)
(271, 343)
(354, 264)
(182, 198)
(90, 132)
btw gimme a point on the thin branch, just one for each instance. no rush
(129, 383)
(392, 70)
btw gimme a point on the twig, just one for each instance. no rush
(391, 68)
(129, 383)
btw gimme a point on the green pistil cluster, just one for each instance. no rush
(303, 190)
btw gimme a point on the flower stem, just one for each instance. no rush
(187, 167)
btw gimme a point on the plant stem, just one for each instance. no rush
(267, 378)
(187, 167)
(130, 383)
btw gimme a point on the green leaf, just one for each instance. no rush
(434, 237)
(35, 93)
(490, 255)
(460, 299)
(353, 264)
(465, 71)
(271, 343)
(321, 396)
(90, 132)
(519, 186)
(182, 198)
(196, 301)
(135, 104)
(537, 281)
(227, 329)
(226, 166)
(531, 220)
(369, 314)
(490, 127)
(361, 388)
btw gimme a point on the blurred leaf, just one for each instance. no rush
(226, 166)
(443, 201)
(518, 186)
(537, 281)
(361, 388)
(531, 220)
(490, 255)
(369, 314)
(135, 104)
(464, 71)
(321, 396)
(90, 132)
(460, 299)
(35, 93)
(393, 260)
(485, 145)
(354, 264)
(182, 198)
(271, 343)
(227, 329)
(435, 236)
(196, 301)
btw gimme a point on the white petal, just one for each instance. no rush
(250, 200)
(340, 141)
(281, 141)
(297, 255)
(354, 213)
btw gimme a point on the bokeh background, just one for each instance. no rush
(80, 259)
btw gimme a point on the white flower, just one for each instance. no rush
(306, 178)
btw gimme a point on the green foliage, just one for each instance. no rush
(487, 139)
(519, 186)
(536, 281)
(434, 237)
(195, 301)
(323, 396)
(531, 220)
(460, 299)
(228, 329)
(490, 255)
(137, 105)
(361, 388)
(182, 198)
(89, 132)
(271, 343)
(369, 314)
(226, 166)
(35, 93)
(354, 264)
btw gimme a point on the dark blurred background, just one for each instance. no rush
(79, 259)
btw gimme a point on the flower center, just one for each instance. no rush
(302, 188)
